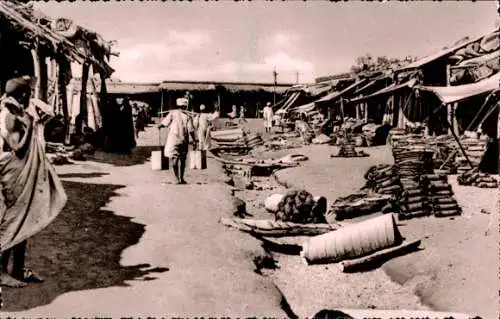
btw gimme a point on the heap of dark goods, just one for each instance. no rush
(476, 178)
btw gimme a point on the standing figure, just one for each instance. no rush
(31, 193)
(202, 124)
(242, 112)
(180, 131)
(268, 115)
(234, 113)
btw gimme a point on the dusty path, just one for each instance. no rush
(210, 268)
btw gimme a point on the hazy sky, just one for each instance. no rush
(244, 41)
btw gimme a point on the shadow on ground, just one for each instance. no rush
(80, 250)
(140, 155)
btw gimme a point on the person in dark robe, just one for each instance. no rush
(126, 127)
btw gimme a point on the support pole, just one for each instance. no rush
(460, 145)
(36, 67)
(44, 78)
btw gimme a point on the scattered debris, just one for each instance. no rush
(273, 228)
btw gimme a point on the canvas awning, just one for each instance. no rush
(451, 94)
(334, 95)
(304, 108)
(390, 89)
(433, 57)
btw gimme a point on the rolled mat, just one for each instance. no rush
(451, 206)
(443, 200)
(443, 193)
(413, 192)
(413, 199)
(413, 207)
(352, 241)
(487, 185)
(415, 214)
(447, 213)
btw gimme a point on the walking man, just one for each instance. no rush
(180, 131)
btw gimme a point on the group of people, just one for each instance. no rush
(185, 128)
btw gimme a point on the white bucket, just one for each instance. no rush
(156, 160)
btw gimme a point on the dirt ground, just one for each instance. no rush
(130, 244)
(456, 271)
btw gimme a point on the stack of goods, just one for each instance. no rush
(474, 148)
(396, 135)
(348, 150)
(300, 207)
(360, 204)
(412, 202)
(476, 178)
(444, 158)
(383, 179)
(228, 138)
(252, 140)
(440, 195)
(369, 133)
(412, 162)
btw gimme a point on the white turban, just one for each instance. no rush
(202, 107)
(181, 102)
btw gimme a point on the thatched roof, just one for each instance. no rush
(32, 28)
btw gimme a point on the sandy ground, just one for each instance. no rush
(131, 244)
(457, 271)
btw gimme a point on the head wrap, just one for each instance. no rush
(17, 84)
(268, 103)
(202, 107)
(181, 102)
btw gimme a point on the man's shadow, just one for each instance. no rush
(80, 250)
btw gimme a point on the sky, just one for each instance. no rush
(245, 41)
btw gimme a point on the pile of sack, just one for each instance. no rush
(298, 207)
(359, 204)
(396, 135)
(474, 148)
(440, 195)
(348, 150)
(476, 178)
(383, 179)
(413, 199)
(369, 133)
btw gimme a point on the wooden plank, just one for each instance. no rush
(379, 257)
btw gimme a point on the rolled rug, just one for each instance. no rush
(415, 214)
(447, 213)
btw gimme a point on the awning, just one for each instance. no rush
(390, 89)
(437, 55)
(304, 108)
(451, 94)
(334, 95)
(371, 84)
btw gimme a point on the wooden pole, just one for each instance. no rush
(63, 94)
(161, 103)
(80, 119)
(449, 117)
(342, 108)
(460, 145)
(44, 78)
(36, 67)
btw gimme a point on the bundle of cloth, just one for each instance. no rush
(299, 206)
(475, 178)
(483, 57)
(383, 179)
(359, 204)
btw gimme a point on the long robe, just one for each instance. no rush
(32, 194)
(180, 126)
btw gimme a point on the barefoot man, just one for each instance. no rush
(180, 130)
(31, 193)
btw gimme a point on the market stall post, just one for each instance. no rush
(83, 99)
(44, 79)
(36, 68)
(62, 69)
